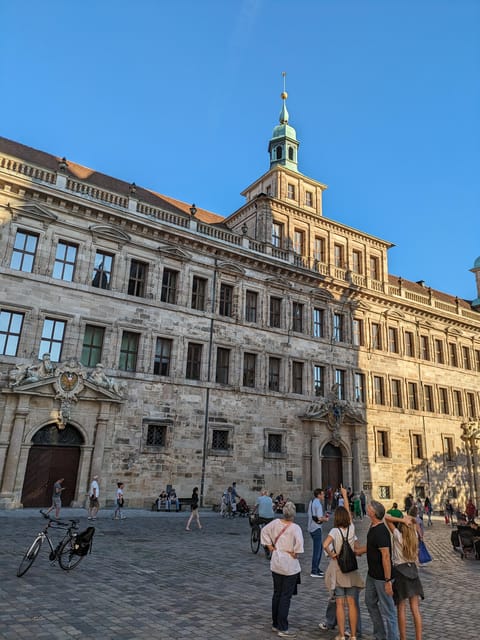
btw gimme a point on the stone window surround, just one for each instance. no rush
(271, 454)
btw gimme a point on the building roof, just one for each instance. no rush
(102, 181)
(422, 289)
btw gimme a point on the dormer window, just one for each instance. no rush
(308, 198)
(291, 191)
(278, 153)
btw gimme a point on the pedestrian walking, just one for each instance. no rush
(379, 587)
(316, 518)
(407, 584)
(428, 509)
(93, 496)
(284, 540)
(194, 510)
(363, 502)
(119, 501)
(57, 497)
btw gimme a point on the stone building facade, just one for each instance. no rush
(146, 340)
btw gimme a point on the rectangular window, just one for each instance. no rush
(163, 356)
(318, 318)
(471, 408)
(277, 235)
(477, 359)
(226, 300)
(10, 329)
(129, 351)
(376, 336)
(452, 350)
(439, 357)
(466, 358)
(384, 492)
(65, 257)
(297, 317)
(169, 286)
(52, 338)
(223, 364)
(308, 199)
(251, 305)
(291, 191)
(319, 252)
(409, 344)
(92, 345)
(274, 443)
(412, 395)
(102, 270)
(274, 374)
(443, 400)
(338, 328)
(449, 449)
(378, 390)
(457, 403)
(424, 348)
(393, 340)
(359, 387)
(297, 377)
(194, 361)
(156, 435)
(138, 278)
(275, 308)
(199, 290)
(374, 268)
(358, 339)
(340, 382)
(357, 263)
(383, 445)
(428, 398)
(319, 380)
(24, 249)
(299, 242)
(338, 256)
(249, 369)
(396, 391)
(220, 439)
(417, 446)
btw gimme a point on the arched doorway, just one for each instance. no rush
(54, 454)
(332, 469)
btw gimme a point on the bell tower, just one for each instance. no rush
(283, 145)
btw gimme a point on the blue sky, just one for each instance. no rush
(182, 96)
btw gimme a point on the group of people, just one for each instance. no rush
(93, 504)
(167, 500)
(392, 578)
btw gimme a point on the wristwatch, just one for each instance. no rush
(388, 580)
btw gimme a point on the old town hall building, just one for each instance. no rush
(150, 341)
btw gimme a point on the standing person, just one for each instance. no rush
(408, 503)
(407, 585)
(343, 585)
(284, 539)
(93, 494)
(316, 518)
(379, 587)
(363, 502)
(428, 509)
(57, 497)
(119, 500)
(194, 510)
(470, 510)
(448, 512)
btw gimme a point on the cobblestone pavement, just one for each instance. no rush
(149, 578)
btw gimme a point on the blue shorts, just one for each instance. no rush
(342, 592)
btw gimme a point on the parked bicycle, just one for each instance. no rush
(69, 552)
(256, 525)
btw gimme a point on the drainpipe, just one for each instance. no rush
(207, 392)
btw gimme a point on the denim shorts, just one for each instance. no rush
(342, 592)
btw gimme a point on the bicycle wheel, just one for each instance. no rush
(255, 539)
(67, 558)
(30, 556)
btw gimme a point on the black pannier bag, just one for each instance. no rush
(83, 541)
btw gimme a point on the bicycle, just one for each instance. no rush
(255, 534)
(69, 551)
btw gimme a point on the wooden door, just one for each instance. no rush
(332, 468)
(45, 465)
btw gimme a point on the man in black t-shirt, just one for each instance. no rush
(379, 588)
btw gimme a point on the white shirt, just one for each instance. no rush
(291, 540)
(94, 485)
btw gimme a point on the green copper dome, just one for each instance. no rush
(476, 264)
(283, 145)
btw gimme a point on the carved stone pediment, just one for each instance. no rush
(283, 283)
(109, 232)
(231, 267)
(32, 210)
(321, 294)
(174, 252)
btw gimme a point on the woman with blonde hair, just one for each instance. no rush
(407, 584)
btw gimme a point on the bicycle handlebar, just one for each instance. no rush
(47, 516)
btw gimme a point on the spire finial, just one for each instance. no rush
(284, 95)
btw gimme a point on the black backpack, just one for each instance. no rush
(83, 542)
(346, 558)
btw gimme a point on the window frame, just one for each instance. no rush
(92, 347)
(64, 262)
(199, 293)
(8, 333)
(128, 356)
(24, 253)
(100, 273)
(162, 359)
(53, 344)
(222, 365)
(225, 302)
(193, 365)
(170, 285)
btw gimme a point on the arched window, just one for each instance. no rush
(290, 153)
(52, 436)
(278, 152)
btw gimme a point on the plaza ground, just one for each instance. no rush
(147, 578)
